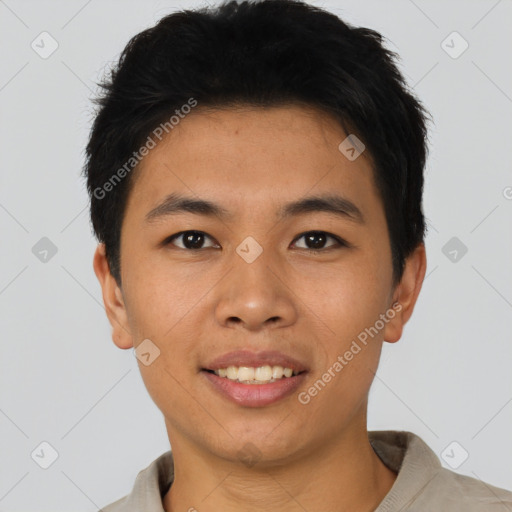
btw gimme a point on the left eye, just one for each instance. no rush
(318, 238)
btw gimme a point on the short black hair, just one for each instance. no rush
(259, 53)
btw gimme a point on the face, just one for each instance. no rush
(260, 276)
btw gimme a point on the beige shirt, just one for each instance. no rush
(422, 484)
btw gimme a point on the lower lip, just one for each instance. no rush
(255, 395)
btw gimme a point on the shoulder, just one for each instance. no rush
(424, 485)
(116, 506)
(150, 486)
(452, 491)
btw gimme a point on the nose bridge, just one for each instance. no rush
(252, 293)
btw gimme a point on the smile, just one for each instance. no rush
(259, 375)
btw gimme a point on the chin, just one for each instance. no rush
(258, 448)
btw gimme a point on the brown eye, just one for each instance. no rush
(316, 240)
(192, 240)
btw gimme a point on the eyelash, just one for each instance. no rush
(340, 242)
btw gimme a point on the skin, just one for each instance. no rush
(197, 305)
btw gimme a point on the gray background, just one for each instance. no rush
(63, 381)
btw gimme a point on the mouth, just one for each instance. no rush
(254, 379)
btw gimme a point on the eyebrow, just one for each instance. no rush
(330, 203)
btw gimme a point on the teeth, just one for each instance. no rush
(277, 372)
(245, 373)
(263, 373)
(248, 375)
(232, 372)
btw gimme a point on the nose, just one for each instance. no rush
(255, 296)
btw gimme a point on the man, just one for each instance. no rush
(256, 177)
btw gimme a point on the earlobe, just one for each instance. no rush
(406, 293)
(113, 300)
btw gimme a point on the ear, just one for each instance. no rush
(113, 300)
(406, 293)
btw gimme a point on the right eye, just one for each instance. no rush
(191, 240)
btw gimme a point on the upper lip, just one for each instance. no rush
(254, 360)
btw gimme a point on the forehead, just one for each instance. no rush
(252, 157)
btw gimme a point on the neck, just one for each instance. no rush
(342, 475)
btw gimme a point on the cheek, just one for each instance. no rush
(163, 308)
(351, 349)
(353, 300)
(352, 311)
(169, 304)
(162, 294)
